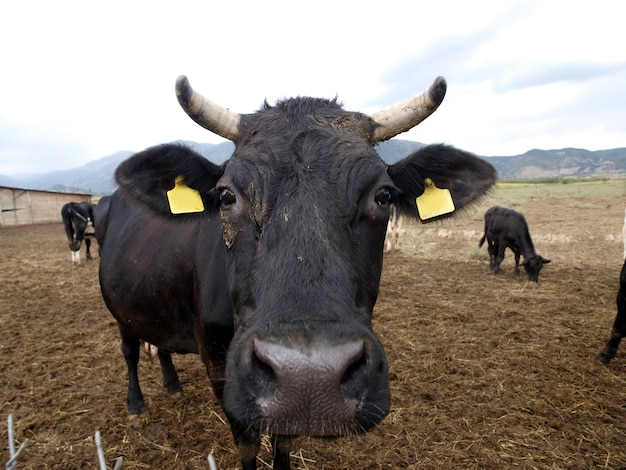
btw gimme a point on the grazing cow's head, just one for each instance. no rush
(532, 266)
(304, 206)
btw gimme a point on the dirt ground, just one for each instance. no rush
(488, 372)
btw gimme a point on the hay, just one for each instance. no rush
(486, 371)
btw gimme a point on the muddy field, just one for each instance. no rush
(487, 372)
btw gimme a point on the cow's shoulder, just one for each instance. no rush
(147, 176)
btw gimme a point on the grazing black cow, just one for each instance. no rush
(618, 331)
(506, 228)
(273, 275)
(79, 226)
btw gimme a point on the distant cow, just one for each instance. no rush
(506, 228)
(78, 222)
(618, 331)
(271, 269)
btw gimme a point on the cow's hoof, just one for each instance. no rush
(604, 359)
(135, 421)
(175, 396)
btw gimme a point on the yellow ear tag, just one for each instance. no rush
(183, 199)
(434, 201)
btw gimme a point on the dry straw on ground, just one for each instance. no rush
(486, 372)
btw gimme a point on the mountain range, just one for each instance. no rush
(96, 177)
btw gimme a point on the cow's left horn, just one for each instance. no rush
(205, 112)
(403, 116)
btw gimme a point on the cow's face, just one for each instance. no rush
(532, 266)
(310, 215)
(304, 218)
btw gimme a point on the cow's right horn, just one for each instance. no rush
(205, 112)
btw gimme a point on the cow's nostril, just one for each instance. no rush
(353, 369)
(264, 372)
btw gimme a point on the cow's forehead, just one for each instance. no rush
(304, 145)
(334, 158)
(285, 121)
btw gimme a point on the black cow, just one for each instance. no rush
(506, 228)
(274, 281)
(78, 222)
(618, 331)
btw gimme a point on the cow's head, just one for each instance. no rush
(532, 266)
(305, 201)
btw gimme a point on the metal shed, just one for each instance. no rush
(20, 206)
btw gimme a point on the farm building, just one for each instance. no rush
(20, 206)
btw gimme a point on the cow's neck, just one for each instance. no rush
(527, 246)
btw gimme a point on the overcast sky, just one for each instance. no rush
(81, 80)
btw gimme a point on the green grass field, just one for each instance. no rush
(517, 194)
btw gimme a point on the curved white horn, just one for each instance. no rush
(205, 112)
(404, 116)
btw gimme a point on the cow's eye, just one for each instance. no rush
(227, 197)
(383, 196)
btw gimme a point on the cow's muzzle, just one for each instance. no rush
(314, 388)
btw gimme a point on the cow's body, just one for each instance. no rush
(506, 228)
(274, 282)
(618, 331)
(79, 225)
(100, 218)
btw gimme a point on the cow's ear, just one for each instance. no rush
(150, 174)
(465, 175)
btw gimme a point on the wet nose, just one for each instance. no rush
(309, 383)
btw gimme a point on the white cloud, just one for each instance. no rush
(81, 80)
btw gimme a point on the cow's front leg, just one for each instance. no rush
(281, 446)
(130, 349)
(517, 256)
(247, 446)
